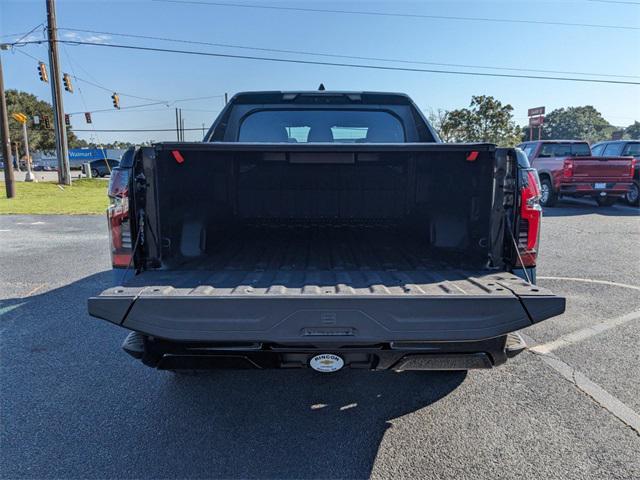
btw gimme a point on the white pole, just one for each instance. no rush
(30, 177)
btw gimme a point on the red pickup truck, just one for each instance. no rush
(568, 169)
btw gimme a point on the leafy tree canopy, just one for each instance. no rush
(580, 123)
(633, 130)
(486, 120)
(40, 138)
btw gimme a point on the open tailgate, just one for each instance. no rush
(425, 306)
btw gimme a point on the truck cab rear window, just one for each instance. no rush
(565, 150)
(328, 126)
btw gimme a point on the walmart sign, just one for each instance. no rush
(78, 156)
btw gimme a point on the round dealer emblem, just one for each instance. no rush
(327, 362)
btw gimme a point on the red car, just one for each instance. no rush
(567, 169)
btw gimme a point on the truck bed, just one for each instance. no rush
(325, 284)
(327, 259)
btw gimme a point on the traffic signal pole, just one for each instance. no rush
(6, 141)
(62, 150)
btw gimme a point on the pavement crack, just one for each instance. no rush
(593, 391)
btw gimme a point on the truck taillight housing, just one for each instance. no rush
(567, 169)
(118, 218)
(530, 219)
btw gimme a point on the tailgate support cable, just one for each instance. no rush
(139, 241)
(515, 246)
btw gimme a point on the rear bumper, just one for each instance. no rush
(166, 355)
(501, 303)
(588, 189)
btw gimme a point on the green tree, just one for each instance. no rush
(438, 120)
(633, 130)
(486, 120)
(40, 138)
(579, 123)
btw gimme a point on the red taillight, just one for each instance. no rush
(567, 169)
(118, 183)
(118, 217)
(634, 165)
(530, 218)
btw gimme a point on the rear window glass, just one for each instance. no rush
(632, 149)
(614, 149)
(529, 149)
(310, 126)
(565, 150)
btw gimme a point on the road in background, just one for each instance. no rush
(75, 406)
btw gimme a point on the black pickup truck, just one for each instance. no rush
(324, 229)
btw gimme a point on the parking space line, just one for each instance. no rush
(598, 394)
(585, 333)
(589, 280)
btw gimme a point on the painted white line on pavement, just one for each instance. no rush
(588, 280)
(7, 309)
(585, 333)
(603, 398)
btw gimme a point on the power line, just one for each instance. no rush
(158, 102)
(614, 1)
(401, 15)
(75, 77)
(338, 64)
(30, 32)
(139, 130)
(352, 57)
(5, 35)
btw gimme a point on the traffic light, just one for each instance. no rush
(66, 79)
(116, 100)
(67, 119)
(45, 122)
(42, 71)
(87, 117)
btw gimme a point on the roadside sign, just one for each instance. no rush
(36, 120)
(536, 121)
(534, 112)
(20, 117)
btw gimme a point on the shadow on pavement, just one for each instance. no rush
(569, 207)
(76, 406)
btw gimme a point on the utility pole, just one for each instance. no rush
(23, 119)
(30, 176)
(6, 141)
(226, 98)
(177, 126)
(62, 150)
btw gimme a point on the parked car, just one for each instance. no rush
(99, 168)
(366, 243)
(567, 169)
(625, 148)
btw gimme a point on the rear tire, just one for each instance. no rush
(548, 197)
(633, 195)
(606, 201)
(94, 173)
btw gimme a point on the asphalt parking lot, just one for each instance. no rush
(75, 406)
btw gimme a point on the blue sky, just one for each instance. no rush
(168, 77)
